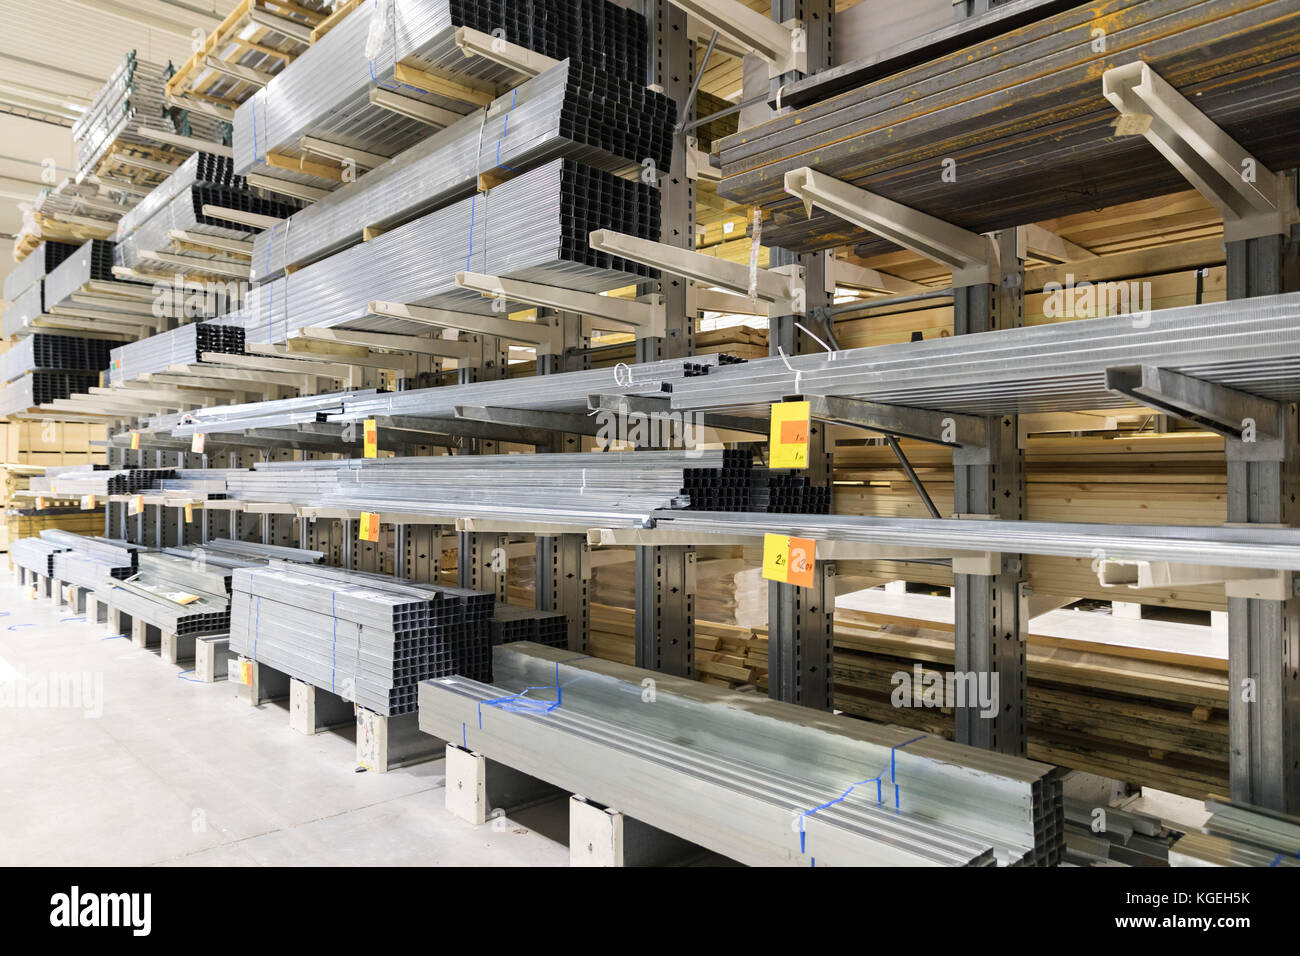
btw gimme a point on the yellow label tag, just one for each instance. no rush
(87, 502)
(246, 673)
(40, 503)
(372, 439)
(136, 505)
(369, 530)
(189, 513)
(788, 441)
(135, 441)
(198, 442)
(789, 560)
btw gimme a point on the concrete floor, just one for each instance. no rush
(146, 767)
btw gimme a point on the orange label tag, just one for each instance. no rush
(369, 530)
(788, 438)
(135, 441)
(189, 513)
(198, 442)
(87, 502)
(789, 560)
(40, 503)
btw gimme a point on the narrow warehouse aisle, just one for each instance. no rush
(111, 758)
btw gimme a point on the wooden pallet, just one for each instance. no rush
(213, 81)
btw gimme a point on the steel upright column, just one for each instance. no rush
(1264, 635)
(801, 621)
(989, 628)
(477, 553)
(562, 571)
(665, 576)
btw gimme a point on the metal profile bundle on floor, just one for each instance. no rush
(570, 110)
(534, 227)
(35, 554)
(762, 782)
(1022, 119)
(87, 561)
(1240, 835)
(366, 638)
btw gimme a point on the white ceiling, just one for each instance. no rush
(54, 55)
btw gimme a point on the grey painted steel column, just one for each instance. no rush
(801, 621)
(665, 576)
(474, 552)
(1263, 635)
(989, 628)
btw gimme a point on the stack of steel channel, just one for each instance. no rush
(367, 638)
(67, 353)
(88, 561)
(534, 227)
(1240, 835)
(183, 345)
(25, 307)
(43, 260)
(87, 480)
(568, 391)
(93, 262)
(185, 212)
(133, 98)
(325, 93)
(35, 554)
(570, 110)
(37, 388)
(621, 487)
(733, 772)
(1250, 344)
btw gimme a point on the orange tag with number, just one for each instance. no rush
(789, 560)
(369, 530)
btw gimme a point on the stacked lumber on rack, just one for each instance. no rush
(1024, 119)
(1174, 478)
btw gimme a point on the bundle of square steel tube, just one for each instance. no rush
(369, 639)
(762, 782)
(35, 554)
(88, 561)
(534, 227)
(570, 110)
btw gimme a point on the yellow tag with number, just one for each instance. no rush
(789, 560)
(87, 502)
(198, 442)
(372, 439)
(135, 441)
(136, 505)
(246, 673)
(189, 513)
(788, 441)
(369, 530)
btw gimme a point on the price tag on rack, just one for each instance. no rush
(40, 503)
(87, 502)
(198, 442)
(788, 441)
(135, 441)
(369, 530)
(135, 505)
(372, 439)
(189, 513)
(789, 560)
